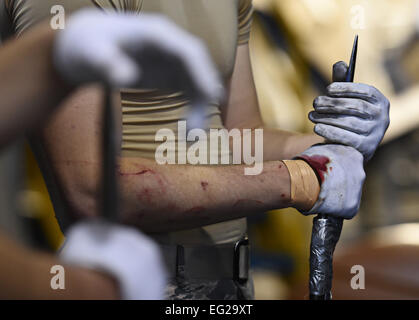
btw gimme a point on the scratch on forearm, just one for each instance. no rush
(204, 185)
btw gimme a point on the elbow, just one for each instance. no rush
(82, 202)
(80, 192)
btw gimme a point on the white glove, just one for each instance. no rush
(125, 253)
(341, 171)
(352, 114)
(127, 50)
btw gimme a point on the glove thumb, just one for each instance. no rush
(123, 72)
(339, 71)
(115, 67)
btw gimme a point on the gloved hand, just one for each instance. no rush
(127, 50)
(341, 172)
(125, 253)
(352, 114)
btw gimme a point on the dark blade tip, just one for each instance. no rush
(351, 69)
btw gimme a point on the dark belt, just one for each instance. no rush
(210, 262)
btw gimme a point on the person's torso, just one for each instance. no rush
(145, 111)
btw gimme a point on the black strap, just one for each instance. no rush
(210, 262)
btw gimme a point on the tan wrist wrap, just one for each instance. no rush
(305, 186)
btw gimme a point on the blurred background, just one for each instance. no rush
(294, 45)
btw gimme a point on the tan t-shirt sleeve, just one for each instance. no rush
(245, 20)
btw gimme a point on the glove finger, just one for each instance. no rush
(186, 51)
(348, 106)
(338, 135)
(349, 123)
(114, 66)
(339, 71)
(195, 58)
(355, 90)
(198, 62)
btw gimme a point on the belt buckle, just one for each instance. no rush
(241, 260)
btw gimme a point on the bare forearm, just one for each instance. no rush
(165, 198)
(278, 144)
(25, 274)
(29, 85)
(284, 145)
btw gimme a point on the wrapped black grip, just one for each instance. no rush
(326, 232)
(325, 235)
